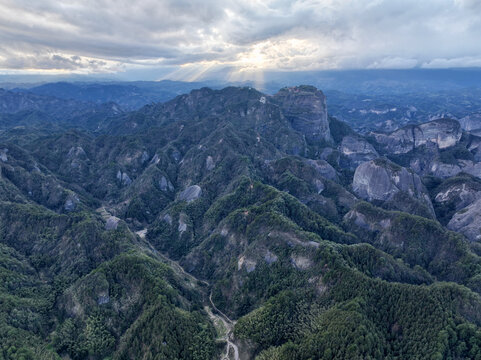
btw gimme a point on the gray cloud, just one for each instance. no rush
(250, 35)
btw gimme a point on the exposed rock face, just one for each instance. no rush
(123, 178)
(155, 159)
(71, 202)
(444, 170)
(103, 299)
(176, 155)
(191, 193)
(145, 157)
(357, 150)
(474, 147)
(379, 180)
(468, 221)
(471, 122)
(248, 264)
(112, 223)
(470, 167)
(442, 133)
(460, 195)
(306, 109)
(361, 220)
(77, 152)
(270, 257)
(182, 223)
(319, 186)
(167, 218)
(430, 163)
(165, 185)
(323, 168)
(385, 181)
(209, 163)
(3, 155)
(301, 262)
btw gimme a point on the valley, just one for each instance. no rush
(235, 224)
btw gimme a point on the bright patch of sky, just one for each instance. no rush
(188, 40)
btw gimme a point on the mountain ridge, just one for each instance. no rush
(256, 197)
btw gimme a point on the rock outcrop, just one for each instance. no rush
(123, 178)
(398, 188)
(112, 223)
(3, 155)
(71, 202)
(323, 168)
(306, 109)
(191, 193)
(471, 122)
(468, 221)
(165, 185)
(442, 133)
(459, 194)
(356, 150)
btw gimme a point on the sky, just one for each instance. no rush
(191, 40)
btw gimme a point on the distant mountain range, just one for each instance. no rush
(381, 100)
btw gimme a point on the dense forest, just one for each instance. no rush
(228, 222)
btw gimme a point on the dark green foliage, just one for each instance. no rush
(156, 321)
(339, 129)
(419, 242)
(453, 154)
(163, 332)
(375, 263)
(266, 240)
(372, 319)
(256, 198)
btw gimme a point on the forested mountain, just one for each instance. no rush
(234, 224)
(129, 95)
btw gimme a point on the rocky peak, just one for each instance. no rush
(306, 109)
(442, 133)
(399, 188)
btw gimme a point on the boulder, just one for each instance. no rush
(165, 185)
(191, 193)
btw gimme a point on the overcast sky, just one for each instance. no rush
(190, 39)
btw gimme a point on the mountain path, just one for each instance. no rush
(223, 324)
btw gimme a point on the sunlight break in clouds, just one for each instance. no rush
(189, 40)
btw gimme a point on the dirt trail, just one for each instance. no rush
(227, 336)
(224, 325)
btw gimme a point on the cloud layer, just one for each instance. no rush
(191, 38)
